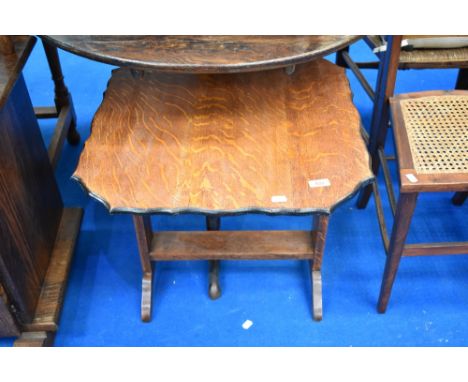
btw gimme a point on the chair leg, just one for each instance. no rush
(339, 57)
(213, 223)
(144, 235)
(386, 79)
(459, 198)
(462, 79)
(404, 213)
(320, 229)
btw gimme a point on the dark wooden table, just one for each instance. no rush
(37, 234)
(202, 54)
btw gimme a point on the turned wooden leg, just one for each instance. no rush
(213, 223)
(320, 232)
(404, 212)
(62, 96)
(144, 234)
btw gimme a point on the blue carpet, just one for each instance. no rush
(428, 307)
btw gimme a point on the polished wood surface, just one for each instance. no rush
(226, 144)
(202, 54)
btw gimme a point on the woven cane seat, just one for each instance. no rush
(431, 131)
(267, 141)
(426, 58)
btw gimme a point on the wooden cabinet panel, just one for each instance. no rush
(30, 203)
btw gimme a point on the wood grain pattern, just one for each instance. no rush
(202, 54)
(30, 203)
(232, 245)
(225, 144)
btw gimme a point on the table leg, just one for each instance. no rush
(144, 235)
(320, 232)
(62, 96)
(213, 223)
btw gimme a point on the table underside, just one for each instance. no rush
(267, 142)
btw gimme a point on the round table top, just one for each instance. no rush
(202, 54)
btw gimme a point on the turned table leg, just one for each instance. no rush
(213, 223)
(144, 234)
(62, 96)
(320, 232)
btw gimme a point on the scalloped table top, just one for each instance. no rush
(202, 54)
(226, 144)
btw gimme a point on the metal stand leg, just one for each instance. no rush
(401, 224)
(320, 231)
(213, 223)
(144, 234)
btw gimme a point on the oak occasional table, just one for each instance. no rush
(222, 125)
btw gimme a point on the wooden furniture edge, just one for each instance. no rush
(240, 211)
(206, 69)
(51, 299)
(18, 69)
(232, 245)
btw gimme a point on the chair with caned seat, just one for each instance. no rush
(417, 52)
(431, 138)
